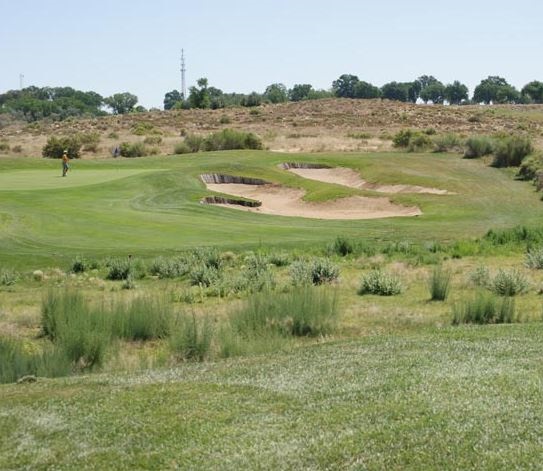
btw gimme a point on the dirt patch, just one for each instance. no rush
(281, 201)
(348, 177)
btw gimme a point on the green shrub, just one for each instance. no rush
(480, 277)
(55, 147)
(316, 272)
(210, 257)
(534, 259)
(225, 119)
(119, 268)
(194, 142)
(484, 308)
(447, 143)
(402, 138)
(4, 147)
(204, 275)
(531, 166)
(439, 284)
(135, 149)
(153, 140)
(8, 277)
(79, 264)
(342, 246)
(229, 139)
(380, 283)
(89, 141)
(478, 146)
(509, 283)
(169, 267)
(359, 135)
(191, 338)
(143, 128)
(182, 148)
(279, 259)
(419, 142)
(510, 151)
(143, 318)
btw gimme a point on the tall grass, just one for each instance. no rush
(484, 308)
(478, 146)
(191, 338)
(439, 283)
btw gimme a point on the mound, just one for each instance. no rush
(282, 201)
(348, 177)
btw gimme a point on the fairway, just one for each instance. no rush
(151, 206)
(46, 179)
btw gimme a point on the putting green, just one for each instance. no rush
(45, 179)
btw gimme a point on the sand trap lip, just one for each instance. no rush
(349, 177)
(282, 201)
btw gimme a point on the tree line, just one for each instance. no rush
(34, 103)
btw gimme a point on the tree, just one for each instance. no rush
(171, 98)
(276, 93)
(121, 103)
(366, 90)
(199, 96)
(395, 91)
(216, 98)
(434, 92)
(456, 92)
(533, 92)
(345, 85)
(425, 81)
(495, 89)
(253, 99)
(300, 92)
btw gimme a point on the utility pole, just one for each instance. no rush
(21, 77)
(183, 70)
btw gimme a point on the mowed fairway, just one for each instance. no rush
(149, 206)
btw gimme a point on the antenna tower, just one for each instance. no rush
(21, 77)
(183, 70)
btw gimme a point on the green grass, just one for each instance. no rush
(466, 397)
(150, 206)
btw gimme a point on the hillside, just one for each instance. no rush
(308, 126)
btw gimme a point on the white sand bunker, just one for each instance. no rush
(282, 201)
(348, 177)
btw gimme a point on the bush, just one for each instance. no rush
(225, 119)
(89, 141)
(279, 259)
(412, 140)
(439, 284)
(143, 128)
(203, 275)
(342, 246)
(55, 147)
(534, 258)
(8, 277)
(17, 149)
(484, 308)
(509, 283)
(447, 143)
(194, 142)
(316, 272)
(380, 283)
(530, 167)
(4, 147)
(191, 338)
(402, 138)
(169, 267)
(182, 148)
(136, 149)
(478, 146)
(229, 139)
(480, 276)
(510, 151)
(153, 140)
(79, 264)
(119, 268)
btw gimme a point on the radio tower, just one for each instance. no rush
(21, 78)
(183, 70)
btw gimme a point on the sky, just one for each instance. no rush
(241, 46)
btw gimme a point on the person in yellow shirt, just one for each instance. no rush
(65, 166)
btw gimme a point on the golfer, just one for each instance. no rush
(65, 166)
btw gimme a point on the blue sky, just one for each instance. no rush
(240, 45)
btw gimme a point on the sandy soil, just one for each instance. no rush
(281, 201)
(348, 177)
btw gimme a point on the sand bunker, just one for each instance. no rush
(282, 201)
(348, 177)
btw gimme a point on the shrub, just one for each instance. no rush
(480, 276)
(136, 149)
(447, 142)
(478, 146)
(169, 267)
(511, 150)
(484, 308)
(229, 139)
(182, 148)
(359, 135)
(530, 167)
(204, 275)
(79, 264)
(194, 142)
(225, 119)
(342, 246)
(402, 138)
(119, 268)
(210, 257)
(419, 142)
(191, 338)
(55, 147)
(534, 258)
(279, 259)
(509, 283)
(439, 284)
(153, 140)
(142, 129)
(89, 141)
(380, 283)
(143, 318)
(17, 149)
(316, 272)
(4, 147)
(8, 277)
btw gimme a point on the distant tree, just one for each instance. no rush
(425, 81)
(121, 103)
(533, 92)
(139, 109)
(216, 97)
(320, 94)
(495, 89)
(300, 92)
(395, 91)
(171, 98)
(276, 93)
(434, 92)
(253, 99)
(366, 90)
(199, 96)
(456, 92)
(345, 85)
